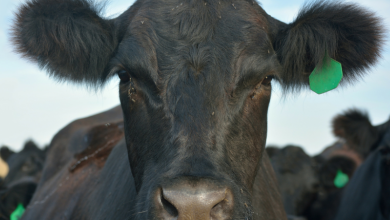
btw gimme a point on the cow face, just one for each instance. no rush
(195, 84)
(26, 163)
(297, 179)
(354, 127)
(200, 105)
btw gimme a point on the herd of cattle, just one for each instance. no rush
(188, 141)
(307, 184)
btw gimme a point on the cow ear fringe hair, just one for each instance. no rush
(67, 38)
(346, 32)
(355, 127)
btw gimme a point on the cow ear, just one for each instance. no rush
(355, 127)
(5, 153)
(346, 32)
(30, 146)
(67, 38)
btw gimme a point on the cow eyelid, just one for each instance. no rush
(123, 75)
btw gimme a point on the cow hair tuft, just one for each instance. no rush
(355, 127)
(346, 32)
(5, 153)
(66, 38)
(30, 146)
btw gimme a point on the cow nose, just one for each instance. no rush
(200, 203)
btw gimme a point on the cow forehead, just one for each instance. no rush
(191, 36)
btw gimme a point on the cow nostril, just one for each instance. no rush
(168, 207)
(223, 209)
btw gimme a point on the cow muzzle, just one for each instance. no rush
(194, 202)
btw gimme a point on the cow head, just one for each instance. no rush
(18, 192)
(354, 128)
(28, 162)
(297, 179)
(195, 84)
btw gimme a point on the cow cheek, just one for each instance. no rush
(255, 117)
(132, 107)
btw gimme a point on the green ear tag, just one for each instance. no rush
(326, 78)
(17, 214)
(341, 179)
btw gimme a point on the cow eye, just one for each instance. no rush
(123, 75)
(267, 80)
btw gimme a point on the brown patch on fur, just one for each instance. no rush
(349, 153)
(101, 140)
(340, 148)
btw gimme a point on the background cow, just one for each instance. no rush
(195, 88)
(24, 173)
(297, 177)
(28, 162)
(308, 184)
(367, 196)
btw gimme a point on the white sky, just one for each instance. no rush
(34, 106)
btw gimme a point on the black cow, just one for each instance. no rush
(307, 183)
(28, 162)
(357, 133)
(25, 168)
(297, 177)
(325, 201)
(195, 84)
(367, 196)
(15, 193)
(358, 139)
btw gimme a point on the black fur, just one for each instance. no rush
(67, 38)
(355, 127)
(26, 163)
(20, 192)
(369, 184)
(5, 153)
(297, 179)
(346, 32)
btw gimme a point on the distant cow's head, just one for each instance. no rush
(26, 163)
(297, 177)
(195, 84)
(354, 128)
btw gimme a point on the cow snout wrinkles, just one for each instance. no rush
(195, 203)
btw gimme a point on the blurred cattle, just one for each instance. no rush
(307, 183)
(324, 204)
(358, 138)
(297, 177)
(367, 196)
(28, 162)
(15, 193)
(25, 168)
